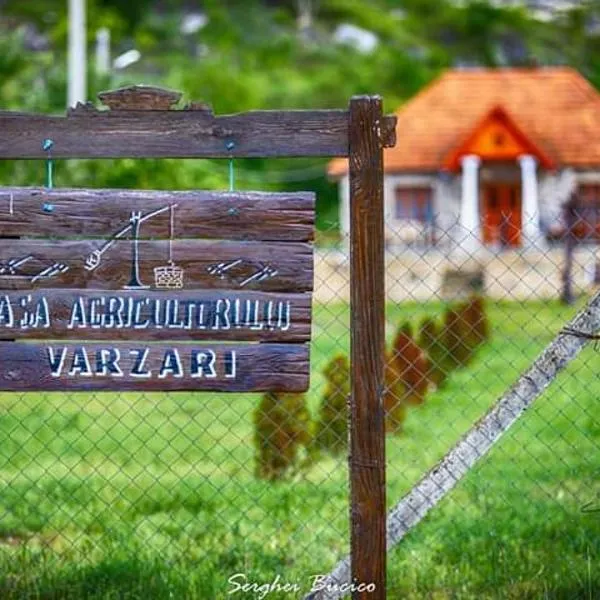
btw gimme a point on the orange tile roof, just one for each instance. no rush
(555, 107)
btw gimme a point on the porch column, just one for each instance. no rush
(469, 205)
(530, 215)
(344, 209)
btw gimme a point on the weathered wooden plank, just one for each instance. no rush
(140, 97)
(150, 315)
(91, 213)
(125, 264)
(89, 133)
(367, 272)
(165, 367)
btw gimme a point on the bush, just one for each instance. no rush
(282, 429)
(454, 337)
(431, 341)
(393, 396)
(478, 326)
(412, 365)
(332, 427)
(406, 377)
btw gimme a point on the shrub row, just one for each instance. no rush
(285, 438)
(416, 365)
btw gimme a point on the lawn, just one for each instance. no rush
(153, 495)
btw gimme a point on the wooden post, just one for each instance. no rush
(567, 295)
(77, 62)
(367, 304)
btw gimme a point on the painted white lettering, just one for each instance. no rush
(80, 364)
(28, 318)
(222, 314)
(42, 313)
(7, 318)
(171, 365)
(247, 320)
(56, 362)
(173, 319)
(157, 317)
(284, 315)
(203, 364)
(230, 364)
(129, 322)
(78, 317)
(188, 311)
(237, 314)
(138, 323)
(139, 366)
(96, 313)
(107, 362)
(114, 313)
(257, 324)
(200, 316)
(269, 314)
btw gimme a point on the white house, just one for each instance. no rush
(487, 158)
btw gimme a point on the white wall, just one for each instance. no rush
(554, 191)
(344, 207)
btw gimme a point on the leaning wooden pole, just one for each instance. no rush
(367, 305)
(480, 439)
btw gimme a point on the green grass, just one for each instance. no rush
(153, 496)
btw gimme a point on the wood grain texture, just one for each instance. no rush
(367, 272)
(165, 367)
(264, 266)
(87, 133)
(198, 214)
(148, 315)
(140, 97)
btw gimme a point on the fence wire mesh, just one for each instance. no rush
(189, 495)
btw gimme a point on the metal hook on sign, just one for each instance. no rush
(230, 145)
(47, 146)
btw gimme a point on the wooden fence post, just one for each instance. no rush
(367, 305)
(569, 209)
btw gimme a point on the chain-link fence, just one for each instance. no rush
(206, 495)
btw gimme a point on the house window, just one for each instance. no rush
(587, 212)
(414, 203)
(589, 194)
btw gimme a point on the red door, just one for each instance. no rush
(502, 214)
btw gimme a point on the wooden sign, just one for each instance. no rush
(119, 289)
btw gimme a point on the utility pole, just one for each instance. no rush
(77, 59)
(103, 51)
(304, 17)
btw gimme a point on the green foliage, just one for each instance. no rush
(251, 55)
(412, 365)
(477, 326)
(393, 397)
(131, 496)
(431, 341)
(405, 377)
(281, 431)
(455, 336)
(332, 426)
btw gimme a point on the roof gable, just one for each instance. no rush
(555, 108)
(496, 138)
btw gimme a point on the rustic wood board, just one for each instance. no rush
(264, 266)
(90, 213)
(151, 315)
(367, 353)
(88, 133)
(147, 367)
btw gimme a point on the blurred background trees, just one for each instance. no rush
(258, 54)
